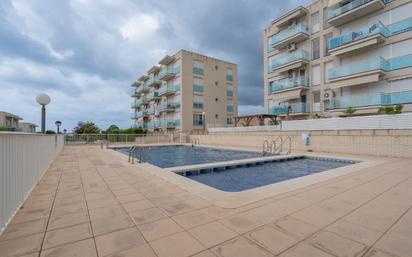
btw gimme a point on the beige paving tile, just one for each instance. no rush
(72, 208)
(212, 234)
(378, 253)
(143, 250)
(102, 203)
(240, 223)
(24, 229)
(158, 229)
(192, 219)
(110, 224)
(395, 245)
(130, 197)
(177, 245)
(240, 247)
(337, 245)
(25, 215)
(106, 212)
(138, 205)
(21, 246)
(77, 249)
(70, 219)
(31, 255)
(272, 239)
(355, 232)
(305, 250)
(206, 253)
(147, 215)
(295, 228)
(118, 241)
(67, 235)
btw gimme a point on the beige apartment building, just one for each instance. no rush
(335, 55)
(185, 91)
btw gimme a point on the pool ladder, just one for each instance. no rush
(279, 145)
(195, 141)
(132, 154)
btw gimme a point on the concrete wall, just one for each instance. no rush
(389, 143)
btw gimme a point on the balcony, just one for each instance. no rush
(229, 93)
(143, 89)
(197, 105)
(154, 81)
(296, 108)
(169, 107)
(372, 100)
(353, 10)
(285, 19)
(138, 115)
(169, 124)
(358, 73)
(134, 92)
(294, 34)
(229, 77)
(289, 84)
(154, 95)
(229, 108)
(168, 73)
(362, 39)
(198, 71)
(151, 111)
(168, 90)
(289, 61)
(135, 104)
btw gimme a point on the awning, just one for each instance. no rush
(355, 81)
(288, 95)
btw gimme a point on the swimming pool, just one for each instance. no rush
(181, 155)
(242, 177)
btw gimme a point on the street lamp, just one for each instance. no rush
(58, 124)
(43, 100)
(64, 131)
(204, 120)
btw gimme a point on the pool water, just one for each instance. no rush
(237, 179)
(181, 155)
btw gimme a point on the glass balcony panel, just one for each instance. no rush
(339, 10)
(355, 68)
(229, 77)
(198, 71)
(290, 108)
(289, 83)
(400, 62)
(288, 58)
(197, 105)
(284, 34)
(372, 100)
(197, 88)
(229, 108)
(229, 93)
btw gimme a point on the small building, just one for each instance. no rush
(9, 121)
(27, 127)
(255, 120)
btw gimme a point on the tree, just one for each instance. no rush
(50, 132)
(87, 127)
(392, 110)
(111, 128)
(350, 111)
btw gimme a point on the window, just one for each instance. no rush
(198, 102)
(326, 44)
(316, 75)
(229, 74)
(315, 23)
(315, 49)
(328, 66)
(229, 120)
(325, 18)
(197, 119)
(198, 67)
(229, 90)
(198, 85)
(229, 106)
(316, 101)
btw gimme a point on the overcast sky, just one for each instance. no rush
(85, 54)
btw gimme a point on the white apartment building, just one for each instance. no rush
(334, 55)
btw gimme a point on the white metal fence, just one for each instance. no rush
(400, 121)
(24, 158)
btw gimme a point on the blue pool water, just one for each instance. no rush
(180, 155)
(235, 179)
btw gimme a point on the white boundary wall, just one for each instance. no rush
(400, 121)
(24, 158)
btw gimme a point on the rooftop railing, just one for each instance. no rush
(285, 34)
(289, 83)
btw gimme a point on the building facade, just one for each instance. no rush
(185, 91)
(335, 57)
(27, 127)
(9, 121)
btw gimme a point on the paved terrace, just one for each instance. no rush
(91, 203)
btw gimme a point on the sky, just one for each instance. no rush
(85, 54)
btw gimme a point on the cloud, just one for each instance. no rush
(85, 54)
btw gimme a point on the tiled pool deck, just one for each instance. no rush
(92, 203)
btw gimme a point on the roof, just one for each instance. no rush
(7, 114)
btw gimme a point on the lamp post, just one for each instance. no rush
(43, 100)
(58, 124)
(204, 121)
(64, 131)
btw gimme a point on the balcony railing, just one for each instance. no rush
(289, 58)
(168, 73)
(229, 93)
(168, 89)
(153, 81)
(197, 70)
(377, 28)
(152, 95)
(339, 10)
(290, 109)
(197, 88)
(229, 77)
(229, 108)
(361, 67)
(285, 34)
(197, 105)
(169, 123)
(377, 99)
(169, 106)
(371, 65)
(143, 89)
(289, 83)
